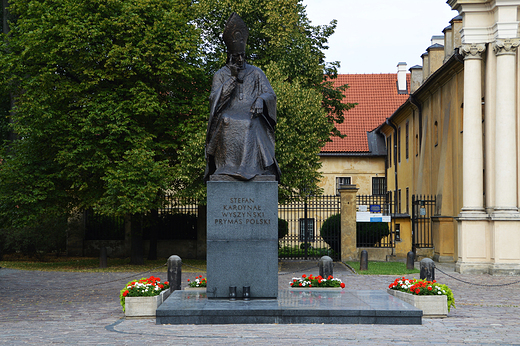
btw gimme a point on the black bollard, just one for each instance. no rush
(326, 267)
(174, 272)
(427, 269)
(103, 257)
(363, 261)
(410, 260)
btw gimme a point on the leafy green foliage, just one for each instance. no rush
(48, 236)
(111, 100)
(105, 95)
(330, 231)
(297, 252)
(283, 228)
(368, 234)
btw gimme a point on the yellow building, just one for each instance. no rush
(460, 140)
(359, 157)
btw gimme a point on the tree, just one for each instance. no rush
(290, 51)
(105, 93)
(111, 100)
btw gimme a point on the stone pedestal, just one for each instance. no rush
(349, 251)
(242, 238)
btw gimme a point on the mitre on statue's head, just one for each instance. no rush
(235, 35)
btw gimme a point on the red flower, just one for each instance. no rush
(417, 291)
(342, 285)
(300, 284)
(188, 280)
(125, 293)
(304, 276)
(429, 288)
(166, 283)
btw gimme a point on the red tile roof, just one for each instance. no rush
(377, 98)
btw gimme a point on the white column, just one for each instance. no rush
(472, 149)
(505, 129)
(489, 129)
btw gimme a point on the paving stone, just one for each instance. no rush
(88, 313)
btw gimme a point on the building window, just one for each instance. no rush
(399, 144)
(342, 181)
(407, 132)
(389, 146)
(307, 230)
(399, 201)
(378, 186)
(407, 200)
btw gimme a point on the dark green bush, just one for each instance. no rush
(48, 236)
(283, 228)
(368, 234)
(330, 232)
(371, 233)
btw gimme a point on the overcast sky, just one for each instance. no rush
(372, 36)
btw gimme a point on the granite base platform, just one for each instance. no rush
(319, 306)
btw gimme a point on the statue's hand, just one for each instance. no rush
(234, 70)
(257, 108)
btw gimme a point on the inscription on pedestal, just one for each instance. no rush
(242, 238)
(242, 211)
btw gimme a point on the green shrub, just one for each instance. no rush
(367, 233)
(48, 236)
(283, 228)
(330, 232)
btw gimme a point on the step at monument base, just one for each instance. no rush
(301, 307)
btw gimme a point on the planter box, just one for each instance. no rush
(432, 306)
(195, 289)
(144, 306)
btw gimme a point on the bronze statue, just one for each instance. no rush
(240, 135)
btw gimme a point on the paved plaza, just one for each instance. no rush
(46, 308)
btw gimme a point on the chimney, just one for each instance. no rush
(436, 54)
(456, 24)
(401, 78)
(425, 66)
(448, 42)
(437, 39)
(416, 78)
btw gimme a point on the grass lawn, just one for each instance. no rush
(91, 264)
(383, 268)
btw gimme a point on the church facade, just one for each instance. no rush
(461, 142)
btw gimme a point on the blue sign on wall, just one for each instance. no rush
(375, 208)
(376, 219)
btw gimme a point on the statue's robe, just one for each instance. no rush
(237, 144)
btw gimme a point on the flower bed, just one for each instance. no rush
(198, 282)
(316, 282)
(142, 297)
(433, 298)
